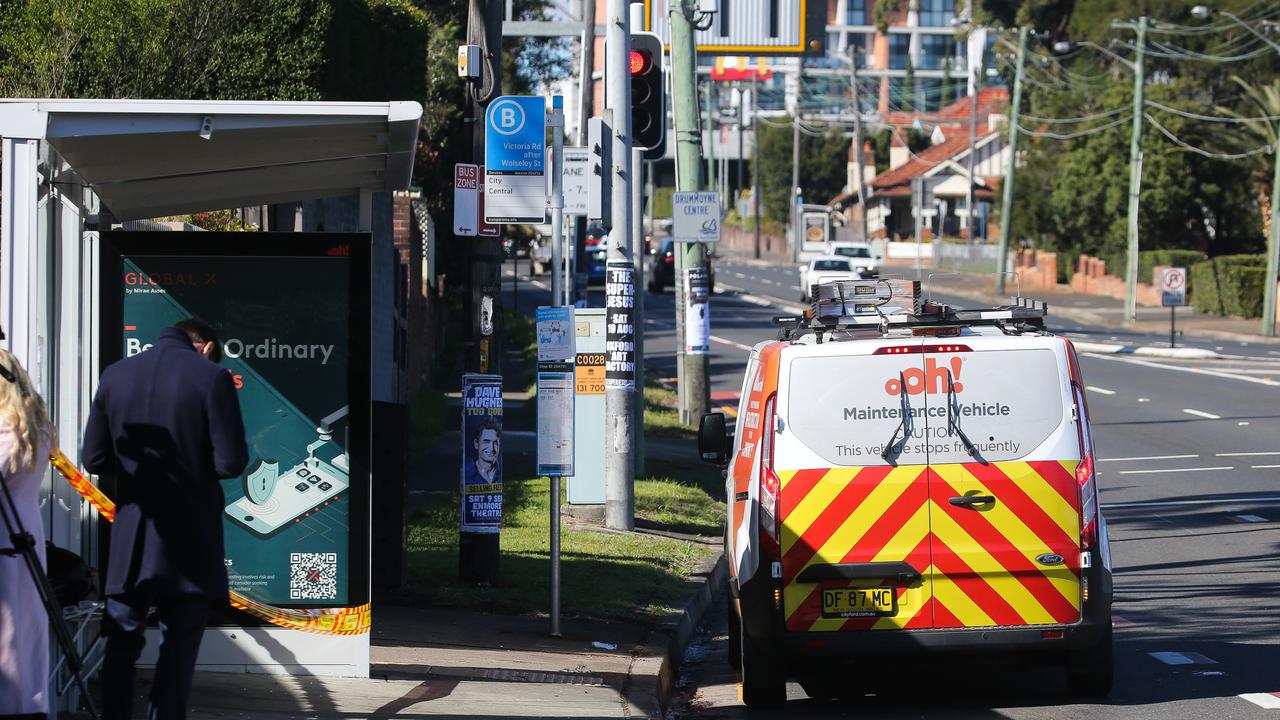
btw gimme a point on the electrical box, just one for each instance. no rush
(469, 62)
(600, 180)
(707, 6)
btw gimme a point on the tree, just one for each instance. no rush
(944, 98)
(823, 166)
(1261, 101)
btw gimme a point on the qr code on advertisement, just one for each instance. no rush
(313, 576)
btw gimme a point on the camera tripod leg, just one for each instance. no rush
(24, 544)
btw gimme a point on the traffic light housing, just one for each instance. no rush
(648, 97)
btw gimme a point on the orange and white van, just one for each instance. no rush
(914, 482)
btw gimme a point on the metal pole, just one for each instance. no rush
(1172, 331)
(857, 137)
(1135, 174)
(755, 158)
(1273, 254)
(586, 91)
(1011, 167)
(695, 397)
(707, 130)
(796, 240)
(620, 431)
(555, 556)
(973, 141)
(739, 180)
(917, 203)
(557, 230)
(637, 255)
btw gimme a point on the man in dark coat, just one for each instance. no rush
(166, 424)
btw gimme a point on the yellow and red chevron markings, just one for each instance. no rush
(978, 566)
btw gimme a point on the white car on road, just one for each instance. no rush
(859, 253)
(825, 269)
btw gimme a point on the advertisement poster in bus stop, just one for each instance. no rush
(697, 311)
(481, 453)
(294, 346)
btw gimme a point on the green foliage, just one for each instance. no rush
(823, 167)
(884, 14)
(909, 88)
(1230, 285)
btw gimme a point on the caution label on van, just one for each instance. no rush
(917, 408)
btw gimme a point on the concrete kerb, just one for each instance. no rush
(1182, 353)
(653, 673)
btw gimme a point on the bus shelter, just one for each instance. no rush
(71, 171)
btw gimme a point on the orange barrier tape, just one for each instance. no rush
(321, 621)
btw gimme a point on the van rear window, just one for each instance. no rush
(848, 408)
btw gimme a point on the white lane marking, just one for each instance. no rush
(1201, 413)
(539, 284)
(1270, 701)
(1183, 658)
(1248, 454)
(1144, 399)
(1148, 457)
(738, 345)
(1273, 352)
(1179, 368)
(1248, 518)
(739, 275)
(1172, 470)
(1175, 503)
(1263, 467)
(1101, 391)
(1242, 423)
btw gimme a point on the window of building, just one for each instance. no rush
(899, 50)
(934, 49)
(937, 13)
(857, 13)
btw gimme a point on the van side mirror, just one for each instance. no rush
(713, 439)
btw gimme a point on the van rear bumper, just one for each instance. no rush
(979, 640)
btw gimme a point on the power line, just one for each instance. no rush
(1085, 118)
(1073, 135)
(1212, 118)
(1199, 151)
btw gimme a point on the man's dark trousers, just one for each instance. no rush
(182, 619)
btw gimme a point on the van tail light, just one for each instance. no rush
(1085, 475)
(770, 485)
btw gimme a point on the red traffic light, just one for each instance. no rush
(640, 61)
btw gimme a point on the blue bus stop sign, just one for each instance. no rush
(515, 155)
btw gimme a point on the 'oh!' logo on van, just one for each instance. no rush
(932, 379)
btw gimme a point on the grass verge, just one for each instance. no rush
(608, 575)
(661, 413)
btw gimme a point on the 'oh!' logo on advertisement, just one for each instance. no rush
(931, 380)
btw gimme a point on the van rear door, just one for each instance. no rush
(854, 516)
(1005, 520)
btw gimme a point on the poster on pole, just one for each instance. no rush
(466, 199)
(481, 453)
(1173, 287)
(515, 160)
(556, 350)
(620, 346)
(695, 217)
(697, 311)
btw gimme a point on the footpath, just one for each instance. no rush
(446, 663)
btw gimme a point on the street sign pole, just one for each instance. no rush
(620, 368)
(1173, 292)
(695, 396)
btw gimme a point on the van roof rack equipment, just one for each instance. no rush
(895, 302)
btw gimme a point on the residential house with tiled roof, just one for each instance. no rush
(935, 179)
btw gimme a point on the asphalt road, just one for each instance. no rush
(1189, 476)
(1189, 458)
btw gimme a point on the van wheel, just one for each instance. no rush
(735, 633)
(763, 686)
(1090, 672)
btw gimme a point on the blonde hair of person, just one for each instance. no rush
(22, 408)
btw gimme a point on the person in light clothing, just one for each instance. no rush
(25, 438)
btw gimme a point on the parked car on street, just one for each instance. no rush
(859, 253)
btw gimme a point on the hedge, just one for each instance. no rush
(1229, 285)
(1149, 259)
